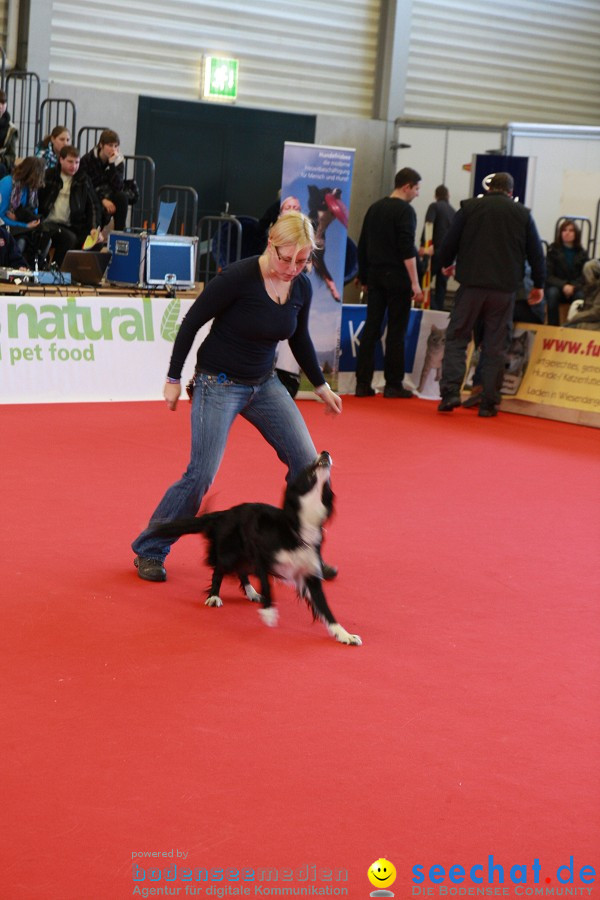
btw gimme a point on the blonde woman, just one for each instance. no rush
(254, 304)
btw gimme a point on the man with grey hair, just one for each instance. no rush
(490, 238)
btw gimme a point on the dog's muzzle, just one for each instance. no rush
(324, 460)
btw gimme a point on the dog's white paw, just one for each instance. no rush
(251, 594)
(343, 636)
(270, 616)
(213, 601)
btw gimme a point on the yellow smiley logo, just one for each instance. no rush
(382, 873)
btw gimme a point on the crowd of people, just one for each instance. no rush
(492, 246)
(57, 200)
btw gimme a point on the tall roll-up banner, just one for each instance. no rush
(320, 178)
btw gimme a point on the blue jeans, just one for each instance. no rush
(269, 407)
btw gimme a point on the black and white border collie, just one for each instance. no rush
(263, 540)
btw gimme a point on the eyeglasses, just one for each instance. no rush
(288, 261)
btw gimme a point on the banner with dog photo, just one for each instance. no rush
(558, 367)
(317, 180)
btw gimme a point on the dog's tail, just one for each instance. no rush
(178, 527)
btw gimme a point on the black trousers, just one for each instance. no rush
(389, 291)
(63, 238)
(494, 310)
(438, 295)
(119, 198)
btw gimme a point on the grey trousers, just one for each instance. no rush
(494, 310)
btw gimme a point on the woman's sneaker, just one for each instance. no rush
(150, 569)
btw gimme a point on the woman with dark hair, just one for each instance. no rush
(19, 208)
(564, 269)
(49, 148)
(19, 194)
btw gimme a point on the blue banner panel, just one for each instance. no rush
(488, 164)
(353, 322)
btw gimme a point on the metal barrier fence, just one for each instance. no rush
(185, 217)
(87, 137)
(142, 170)
(23, 101)
(54, 111)
(219, 243)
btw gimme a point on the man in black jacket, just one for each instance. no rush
(105, 166)
(68, 204)
(490, 238)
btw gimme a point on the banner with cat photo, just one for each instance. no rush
(423, 350)
(318, 180)
(424, 376)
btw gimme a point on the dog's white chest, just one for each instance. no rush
(290, 565)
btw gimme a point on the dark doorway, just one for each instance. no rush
(228, 154)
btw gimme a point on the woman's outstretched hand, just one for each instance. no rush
(172, 393)
(333, 402)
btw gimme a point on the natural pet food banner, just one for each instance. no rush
(79, 349)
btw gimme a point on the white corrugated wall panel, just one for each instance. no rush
(317, 56)
(483, 62)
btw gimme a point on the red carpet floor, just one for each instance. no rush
(137, 721)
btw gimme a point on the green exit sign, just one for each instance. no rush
(220, 78)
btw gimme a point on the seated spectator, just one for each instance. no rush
(19, 195)
(10, 255)
(19, 208)
(49, 148)
(587, 313)
(105, 167)
(68, 204)
(272, 213)
(9, 138)
(564, 269)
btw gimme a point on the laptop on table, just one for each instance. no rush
(85, 266)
